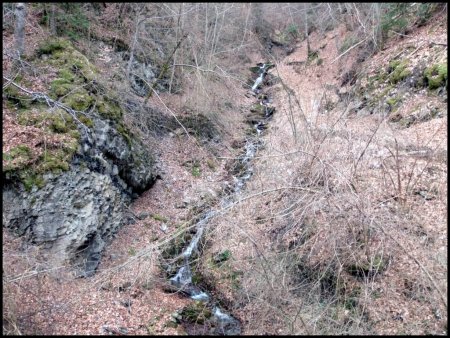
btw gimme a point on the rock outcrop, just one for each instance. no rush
(75, 213)
(72, 204)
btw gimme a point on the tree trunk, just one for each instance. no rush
(53, 20)
(305, 10)
(133, 46)
(178, 32)
(19, 33)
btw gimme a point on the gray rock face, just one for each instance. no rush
(143, 71)
(77, 211)
(133, 163)
(72, 215)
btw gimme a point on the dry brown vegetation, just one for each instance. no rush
(342, 228)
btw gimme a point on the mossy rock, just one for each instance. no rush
(73, 65)
(64, 84)
(393, 64)
(196, 171)
(436, 75)
(30, 179)
(16, 98)
(176, 245)
(53, 45)
(197, 278)
(280, 39)
(313, 55)
(59, 89)
(58, 121)
(109, 109)
(196, 312)
(398, 71)
(125, 132)
(159, 218)
(86, 120)
(54, 162)
(211, 164)
(80, 100)
(54, 159)
(66, 75)
(258, 109)
(393, 103)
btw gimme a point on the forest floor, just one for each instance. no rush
(127, 294)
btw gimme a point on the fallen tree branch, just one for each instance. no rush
(348, 50)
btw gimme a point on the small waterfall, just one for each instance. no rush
(182, 280)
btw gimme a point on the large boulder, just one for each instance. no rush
(75, 213)
(72, 216)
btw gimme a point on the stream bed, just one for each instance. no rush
(215, 320)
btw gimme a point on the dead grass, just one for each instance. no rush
(340, 257)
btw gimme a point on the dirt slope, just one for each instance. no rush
(329, 202)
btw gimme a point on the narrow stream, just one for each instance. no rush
(225, 324)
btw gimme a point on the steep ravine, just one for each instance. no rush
(205, 316)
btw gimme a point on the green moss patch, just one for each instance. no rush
(16, 158)
(398, 71)
(75, 78)
(16, 98)
(313, 55)
(258, 109)
(159, 218)
(59, 143)
(74, 82)
(57, 121)
(80, 100)
(196, 169)
(436, 75)
(86, 121)
(125, 132)
(52, 46)
(30, 179)
(393, 103)
(196, 312)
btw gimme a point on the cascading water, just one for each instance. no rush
(182, 280)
